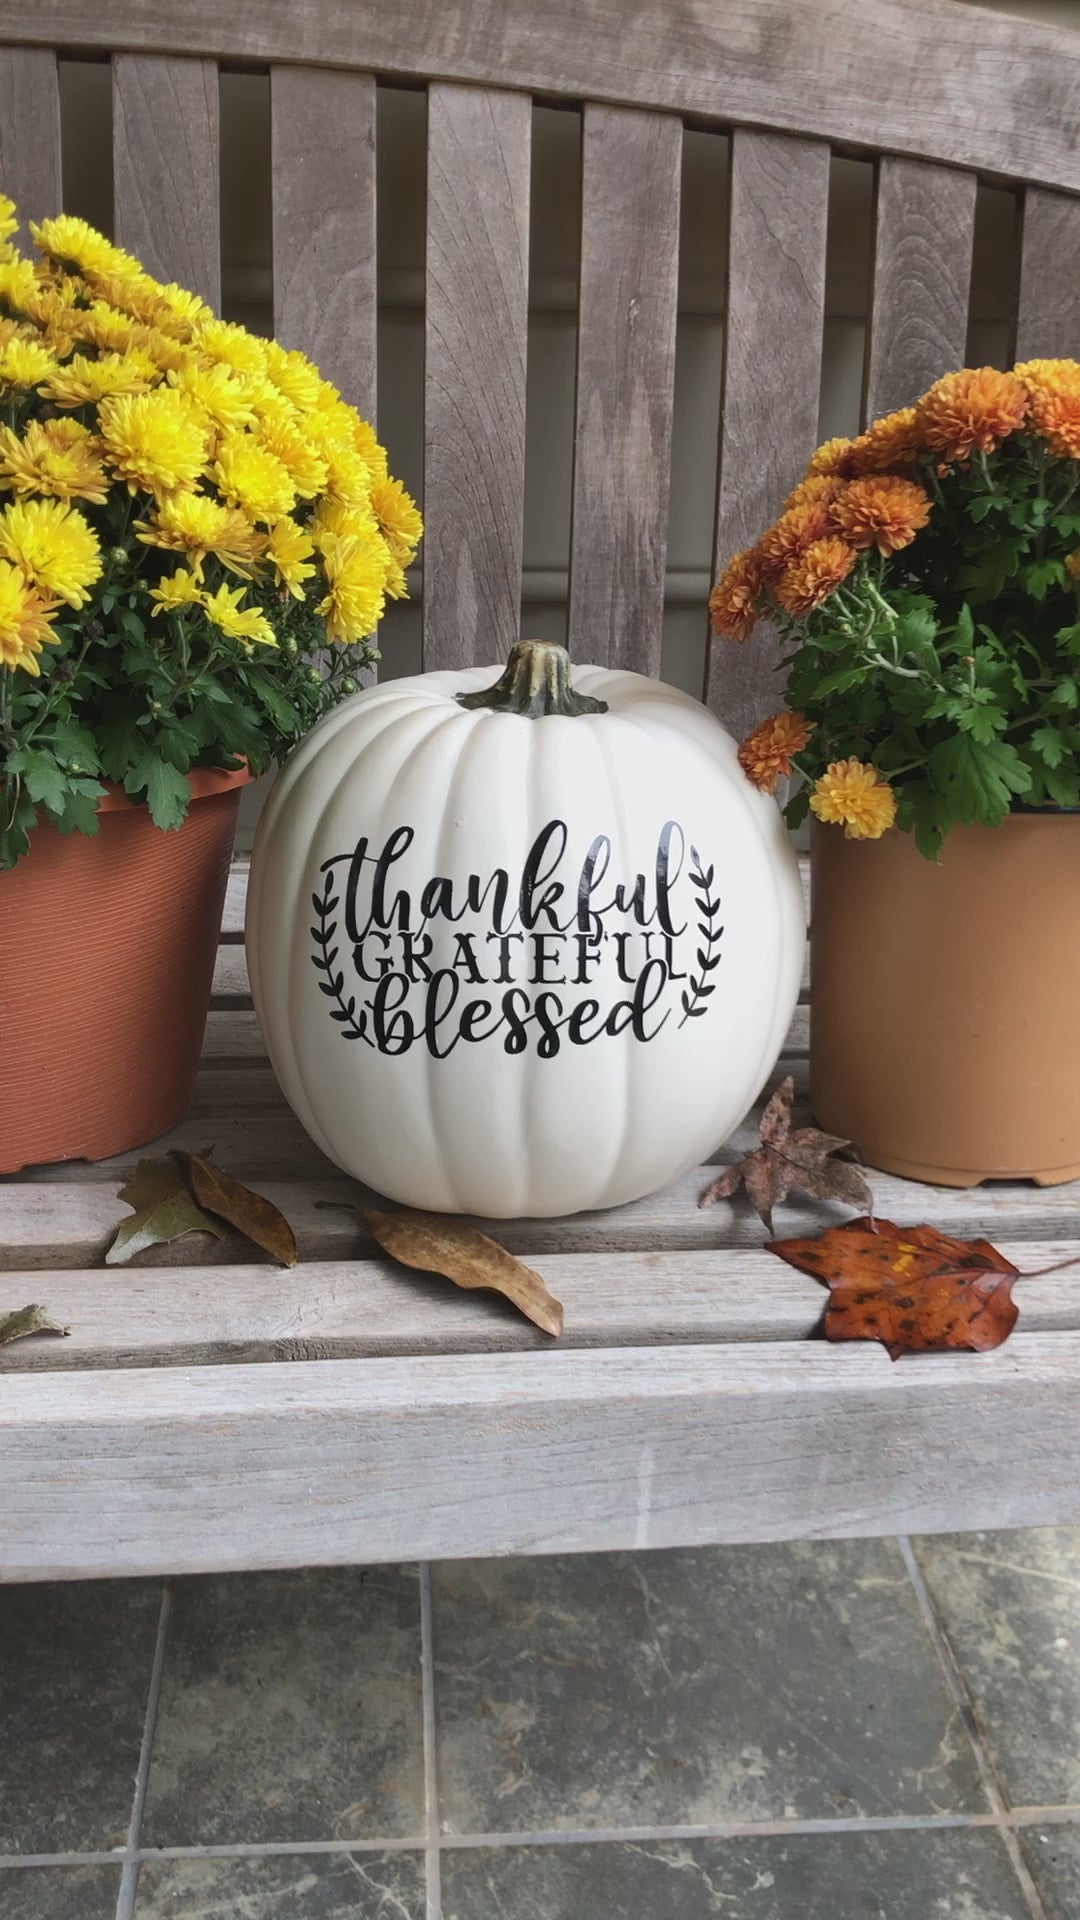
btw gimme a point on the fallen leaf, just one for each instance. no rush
(255, 1217)
(164, 1211)
(27, 1320)
(801, 1161)
(913, 1288)
(437, 1243)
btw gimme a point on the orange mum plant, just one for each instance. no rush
(925, 579)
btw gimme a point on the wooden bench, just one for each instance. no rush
(686, 1402)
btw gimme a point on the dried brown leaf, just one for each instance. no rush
(164, 1211)
(802, 1162)
(438, 1243)
(250, 1213)
(25, 1321)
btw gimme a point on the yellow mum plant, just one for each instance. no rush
(197, 537)
(925, 578)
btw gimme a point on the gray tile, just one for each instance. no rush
(1010, 1604)
(1053, 1854)
(881, 1876)
(59, 1893)
(290, 1710)
(320, 1886)
(691, 1687)
(75, 1663)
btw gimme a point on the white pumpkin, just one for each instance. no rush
(521, 948)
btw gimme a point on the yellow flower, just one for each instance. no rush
(251, 477)
(24, 623)
(301, 461)
(397, 587)
(397, 515)
(153, 440)
(82, 381)
(355, 567)
(19, 285)
(74, 243)
(366, 442)
(332, 516)
(181, 309)
(290, 553)
(236, 622)
(193, 524)
(852, 795)
(56, 457)
(348, 474)
(293, 374)
(236, 348)
(9, 219)
(176, 590)
(766, 754)
(213, 391)
(24, 363)
(106, 328)
(56, 548)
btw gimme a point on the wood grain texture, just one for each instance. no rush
(474, 405)
(631, 167)
(186, 1470)
(322, 160)
(772, 378)
(924, 77)
(356, 1309)
(30, 134)
(924, 231)
(1048, 310)
(166, 168)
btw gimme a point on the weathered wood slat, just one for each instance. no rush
(69, 1222)
(322, 159)
(1048, 314)
(474, 414)
(167, 168)
(631, 176)
(340, 1310)
(772, 378)
(357, 1461)
(924, 77)
(30, 134)
(925, 229)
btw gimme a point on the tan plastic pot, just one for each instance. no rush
(945, 1000)
(107, 950)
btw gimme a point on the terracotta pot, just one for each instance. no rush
(944, 1036)
(107, 950)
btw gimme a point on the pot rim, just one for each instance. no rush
(204, 782)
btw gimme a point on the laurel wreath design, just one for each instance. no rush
(351, 1024)
(708, 954)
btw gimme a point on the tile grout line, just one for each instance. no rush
(129, 1879)
(432, 1856)
(958, 1688)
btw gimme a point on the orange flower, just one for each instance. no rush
(1054, 386)
(733, 600)
(816, 486)
(891, 442)
(792, 534)
(813, 575)
(831, 457)
(1072, 566)
(852, 795)
(766, 754)
(882, 511)
(973, 410)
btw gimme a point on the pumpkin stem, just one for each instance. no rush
(534, 682)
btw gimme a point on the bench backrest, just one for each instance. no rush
(940, 94)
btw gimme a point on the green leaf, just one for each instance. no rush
(964, 631)
(983, 722)
(26, 1321)
(1041, 576)
(916, 629)
(280, 709)
(977, 780)
(43, 779)
(1050, 744)
(1065, 694)
(76, 747)
(1063, 785)
(80, 810)
(838, 681)
(164, 1211)
(980, 505)
(167, 791)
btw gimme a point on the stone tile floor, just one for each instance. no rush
(852, 1730)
